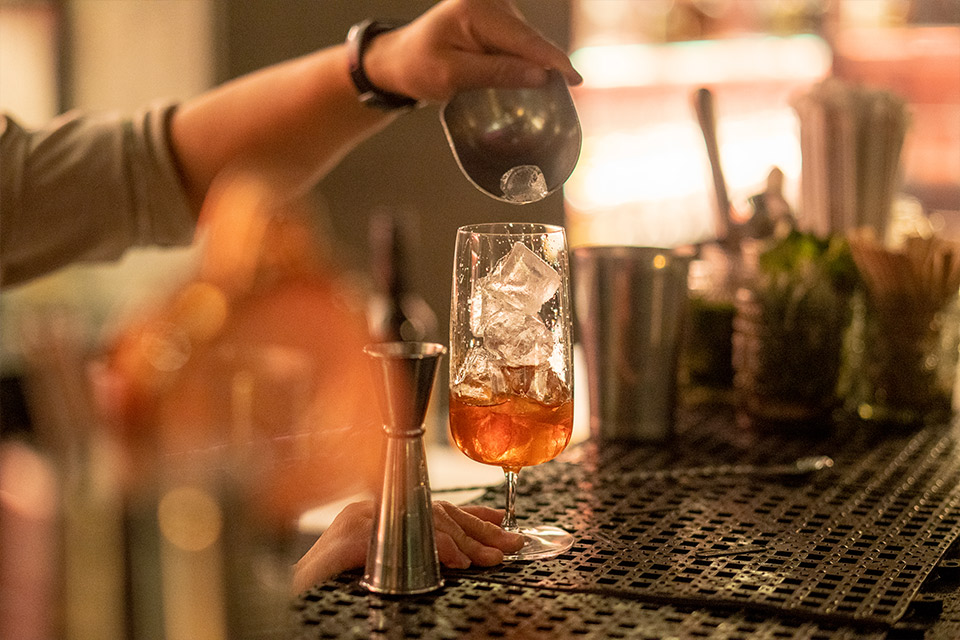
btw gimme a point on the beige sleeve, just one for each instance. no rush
(86, 188)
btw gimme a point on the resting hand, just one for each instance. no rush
(466, 536)
(463, 44)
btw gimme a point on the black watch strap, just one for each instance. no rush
(358, 39)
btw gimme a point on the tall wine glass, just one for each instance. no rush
(511, 362)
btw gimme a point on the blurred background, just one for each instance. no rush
(642, 178)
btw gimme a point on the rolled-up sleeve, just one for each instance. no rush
(87, 188)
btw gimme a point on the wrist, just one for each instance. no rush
(358, 42)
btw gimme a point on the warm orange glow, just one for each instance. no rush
(256, 362)
(744, 60)
(643, 176)
(28, 61)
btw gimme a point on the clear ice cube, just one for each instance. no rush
(484, 304)
(518, 379)
(517, 345)
(523, 183)
(547, 387)
(517, 339)
(480, 378)
(540, 383)
(522, 279)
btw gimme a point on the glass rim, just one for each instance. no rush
(511, 228)
(405, 349)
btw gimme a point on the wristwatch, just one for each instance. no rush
(358, 39)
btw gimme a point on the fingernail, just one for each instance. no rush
(463, 560)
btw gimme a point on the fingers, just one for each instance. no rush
(342, 546)
(483, 524)
(355, 513)
(465, 536)
(516, 49)
(466, 550)
(464, 44)
(449, 552)
(471, 536)
(485, 513)
(474, 70)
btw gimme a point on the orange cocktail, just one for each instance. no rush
(511, 362)
(518, 432)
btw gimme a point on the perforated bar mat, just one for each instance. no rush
(842, 549)
(466, 609)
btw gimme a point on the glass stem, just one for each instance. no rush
(509, 518)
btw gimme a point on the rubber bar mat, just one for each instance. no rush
(849, 544)
(863, 549)
(466, 609)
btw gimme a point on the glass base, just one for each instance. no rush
(541, 542)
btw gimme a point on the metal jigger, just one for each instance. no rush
(402, 557)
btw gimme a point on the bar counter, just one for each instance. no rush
(678, 540)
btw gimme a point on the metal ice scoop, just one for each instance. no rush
(515, 145)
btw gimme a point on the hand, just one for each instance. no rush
(465, 536)
(259, 122)
(463, 44)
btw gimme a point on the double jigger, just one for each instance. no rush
(402, 556)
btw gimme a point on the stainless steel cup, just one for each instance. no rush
(629, 306)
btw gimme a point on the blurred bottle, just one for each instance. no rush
(707, 360)
(397, 312)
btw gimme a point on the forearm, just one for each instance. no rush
(292, 122)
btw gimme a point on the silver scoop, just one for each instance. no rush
(515, 145)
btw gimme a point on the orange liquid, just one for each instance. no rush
(513, 434)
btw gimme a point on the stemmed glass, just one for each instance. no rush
(511, 363)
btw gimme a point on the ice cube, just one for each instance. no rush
(495, 439)
(521, 279)
(477, 318)
(540, 383)
(480, 378)
(523, 183)
(484, 304)
(546, 387)
(518, 339)
(518, 379)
